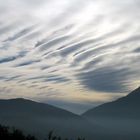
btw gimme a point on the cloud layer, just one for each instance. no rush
(63, 49)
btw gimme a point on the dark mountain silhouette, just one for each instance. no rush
(38, 119)
(125, 107)
(120, 119)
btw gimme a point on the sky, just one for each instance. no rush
(74, 54)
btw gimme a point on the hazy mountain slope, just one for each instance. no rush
(126, 107)
(120, 119)
(39, 119)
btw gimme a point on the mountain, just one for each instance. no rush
(125, 107)
(38, 119)
(115, 120)
(120, 118)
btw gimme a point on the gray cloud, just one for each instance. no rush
(137, 50)
(106, 79)
(12, 58)
(52, 43)
(21, 33)
(56, 79)
(27, 63)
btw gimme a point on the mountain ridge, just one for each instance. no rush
(39, 118)
(129, 103)
(29, 102)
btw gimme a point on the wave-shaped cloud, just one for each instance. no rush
(69, 46)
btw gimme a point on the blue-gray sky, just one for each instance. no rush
(74, 54)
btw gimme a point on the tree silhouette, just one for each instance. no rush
(50, 135)
(29, 137)
(14, 134)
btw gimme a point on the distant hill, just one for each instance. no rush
(120, 117)
(125, 107)
(38, 119)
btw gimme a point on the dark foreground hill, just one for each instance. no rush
(38, 119)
